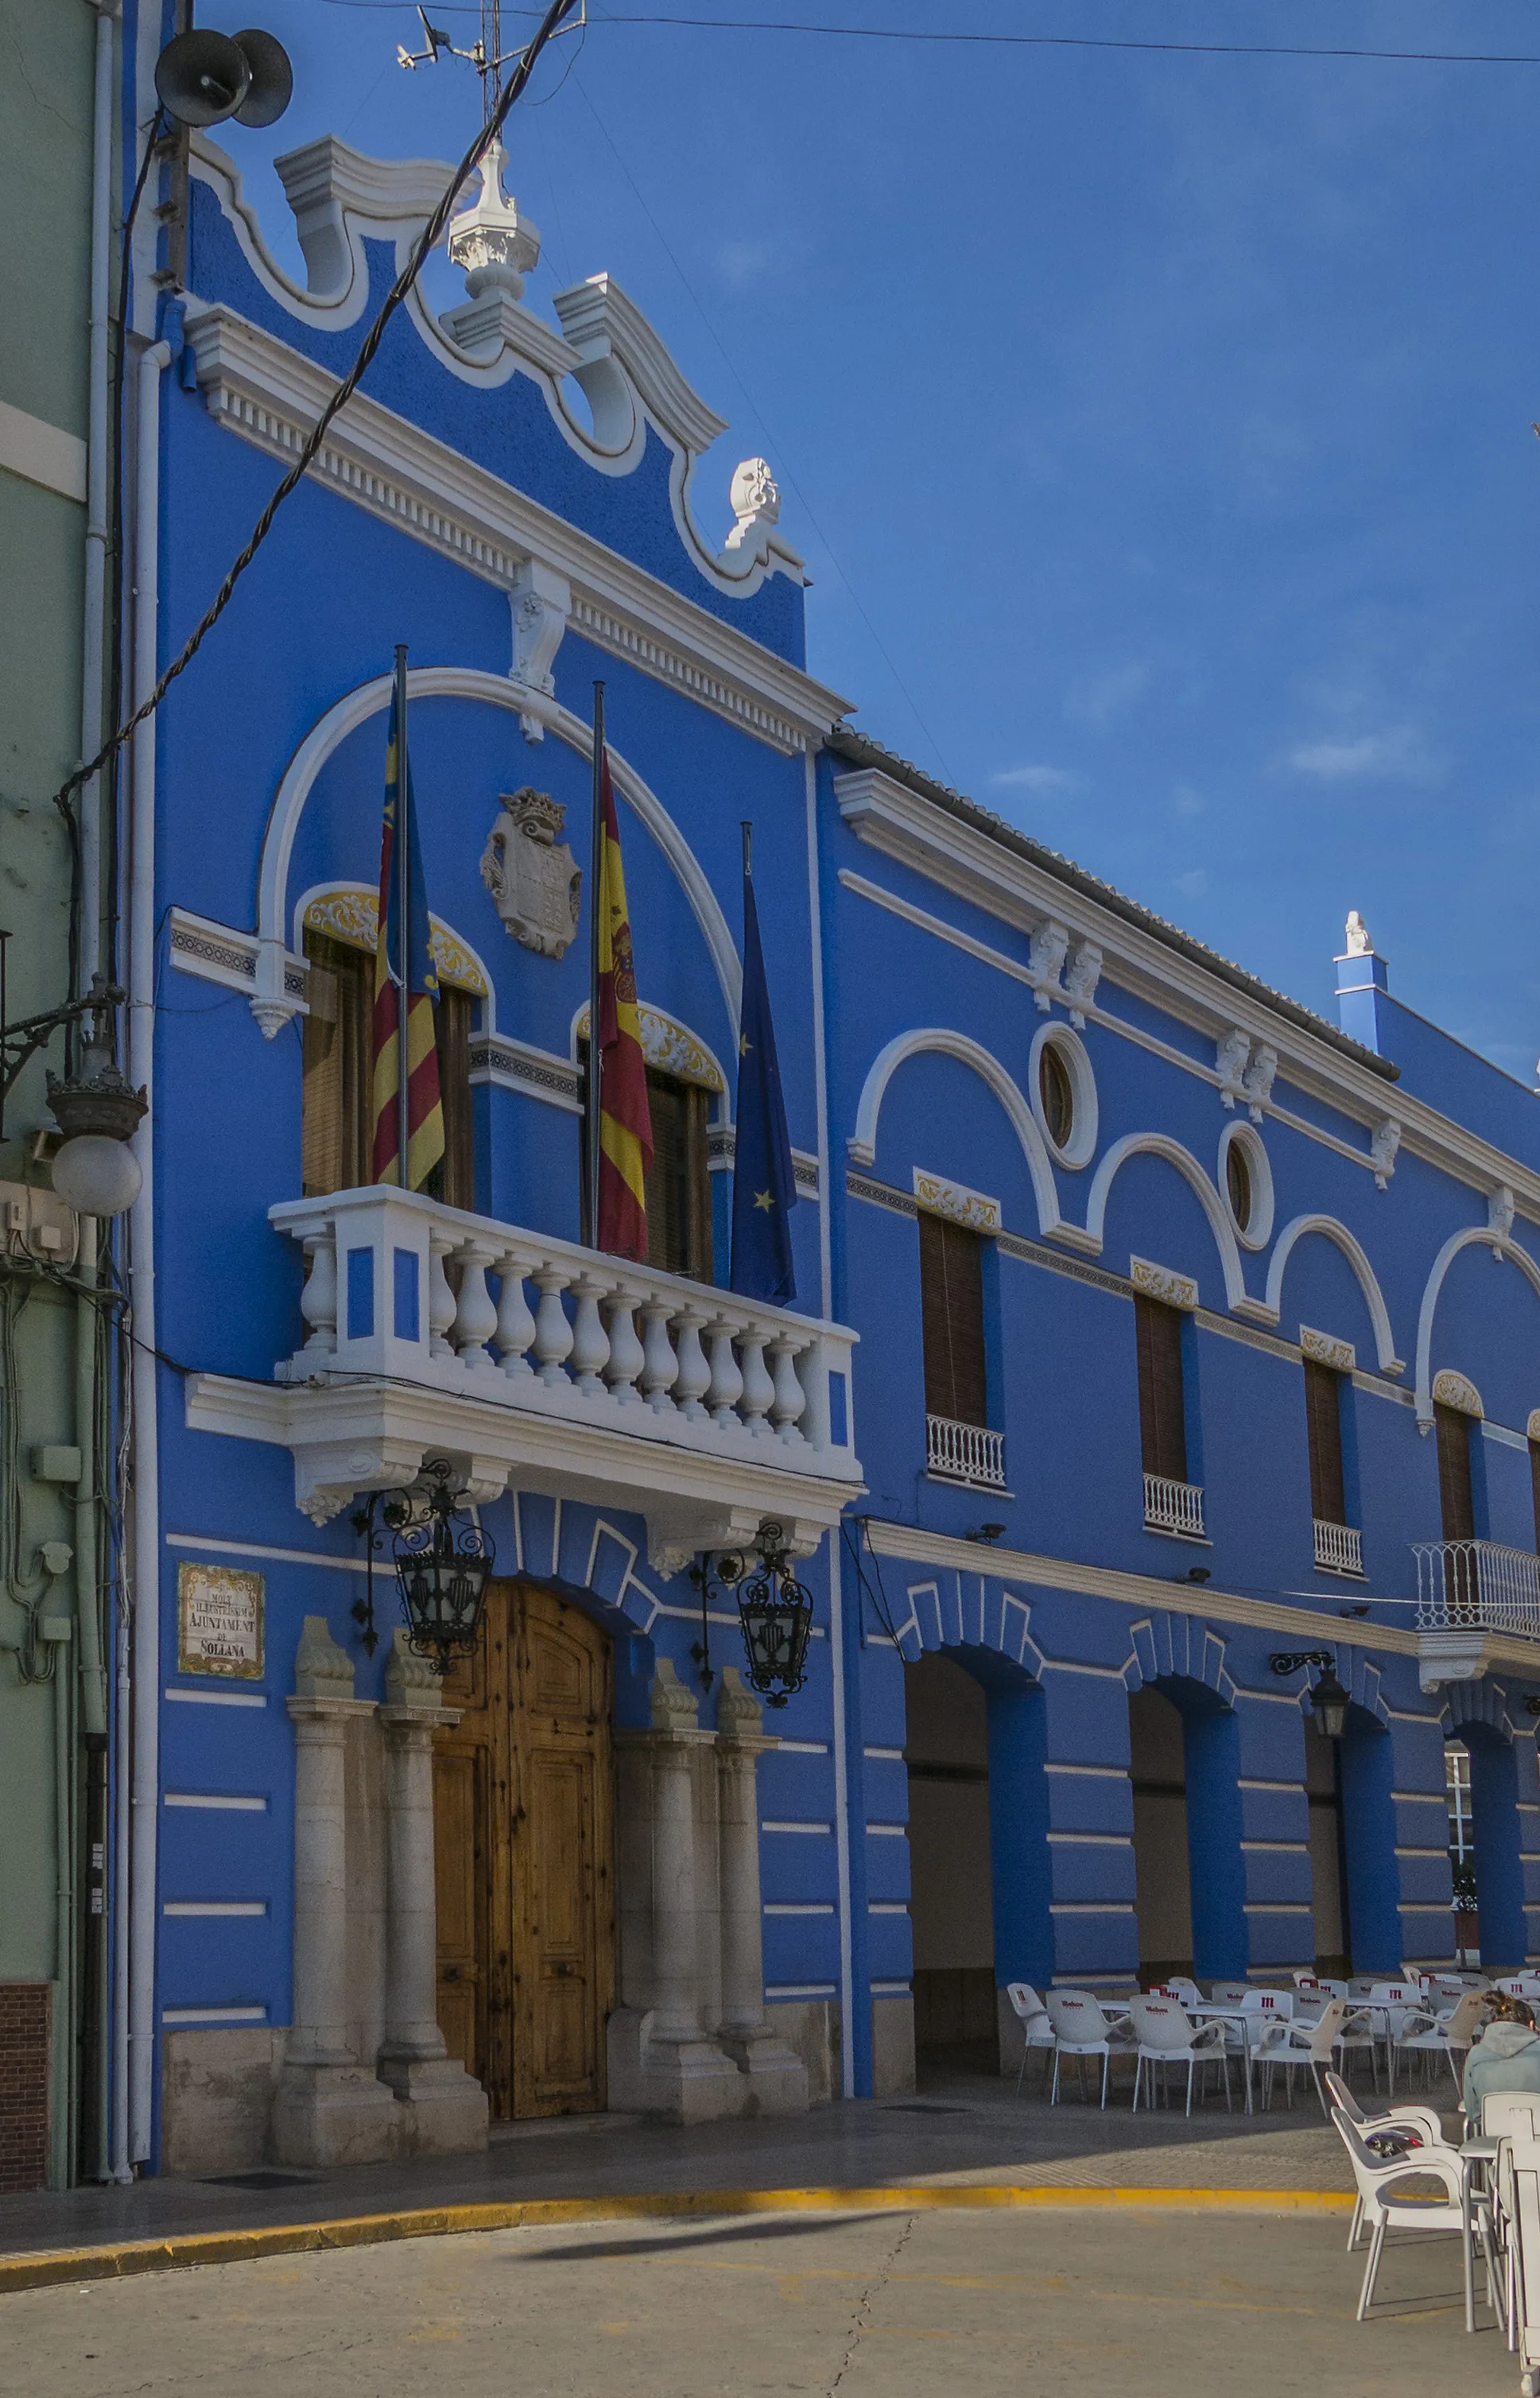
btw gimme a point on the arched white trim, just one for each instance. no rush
(271, 1006)
(1238, 1133)
(1160, 1144)
(1329, 1228)
(1475, 1236)
(941, 1040)
(671, 1045)
(1086, 1115)
(445, 939)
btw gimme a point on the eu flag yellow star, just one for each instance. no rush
(763, 1199)
(745, 1045)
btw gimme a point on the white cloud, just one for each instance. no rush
(1194, 884)
(1187, 801)
(1102, 697)
(1368, 757)
(1035, 778)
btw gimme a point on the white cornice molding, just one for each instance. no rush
(271, 395)
(958, 858)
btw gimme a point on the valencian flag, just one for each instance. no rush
(764, 1188)
(625, 1124)
(417, 976)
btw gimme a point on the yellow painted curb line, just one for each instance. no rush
(45, 2267)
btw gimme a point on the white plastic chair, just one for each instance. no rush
(1166, 2036)
(1385, 2202)
(1184, 1991)
(1447, 2035)
(1226, 1994)
(1303, 2043)
(1416, 2124)
(1509, 2122)
(1036, 2025)
(1082, 2029)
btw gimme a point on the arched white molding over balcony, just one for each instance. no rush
(940, 1041)
(1161, 1145)
(350, 912)
(272, 1005)
(1329, 1229)
(1488, 1236)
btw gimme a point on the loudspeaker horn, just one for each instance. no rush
(203, 77)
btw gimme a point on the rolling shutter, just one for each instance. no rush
(952, 1319)
(457, 1173)
(336, 1048)
(1323, 1420)
(1455, 1497)
(679, 1193)
(1162, 1427)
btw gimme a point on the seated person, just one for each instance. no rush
(1505, 2057)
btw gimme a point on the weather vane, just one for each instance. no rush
(486, 54)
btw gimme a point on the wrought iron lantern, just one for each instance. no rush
(774, 1614)
(442, 1561)
(1328, 1700)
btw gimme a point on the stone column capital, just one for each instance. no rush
(404, 1720)
(733, 1746)
(304, 1709)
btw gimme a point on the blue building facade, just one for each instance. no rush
(1145, 1321)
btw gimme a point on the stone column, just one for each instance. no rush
(777, 2079)
(661, 2059)
(328, 2108)
(448, 2110)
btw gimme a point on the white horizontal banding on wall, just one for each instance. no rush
(889, 1989)
(1274, 1906)
(1422, 1853)
(1101, 1772)
(779, 1909)
(1428, 1906)
(215, 1906)
(1243, 1783)
(1420, 1798)
(1093, 1840)
(1085, 1906)
(802, 1748)
(208, 1799)
(887, 1831)
(1283, 1848)
(218, 1698)
(1068, 1665)
(212, 2014)
(796, 1827)
(888, 1906)
(799, 1990)
(260, 1549)
(888, 1755)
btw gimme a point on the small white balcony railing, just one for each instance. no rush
(1173, 1506)
(1339, 1548)
(1477, 1584)
(964, 1452)
(404, 1289)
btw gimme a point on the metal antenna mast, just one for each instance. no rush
(486, 54)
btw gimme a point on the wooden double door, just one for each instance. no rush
(524, 1836)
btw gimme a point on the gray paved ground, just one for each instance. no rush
(1046, 2305)
(959, 2130)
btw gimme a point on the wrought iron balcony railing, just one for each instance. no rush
(1465, 1586)
(964, 1452)
(1173, 1506)
(1339, 1548)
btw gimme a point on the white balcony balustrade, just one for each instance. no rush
(562, 1369)
(1339, 1548)
(1469, 1592)
(1173, 1506)
(964, 1452)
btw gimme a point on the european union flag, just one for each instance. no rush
(765, 1189)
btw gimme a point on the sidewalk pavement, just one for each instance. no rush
(955, 2136)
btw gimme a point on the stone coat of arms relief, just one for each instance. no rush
(536, 884)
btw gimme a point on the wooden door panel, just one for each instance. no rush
(459, 1840)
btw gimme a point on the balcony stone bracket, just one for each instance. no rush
(1458, 1654)
(348, 1438)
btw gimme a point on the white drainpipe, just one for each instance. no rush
(93, 633)
(141, 1277)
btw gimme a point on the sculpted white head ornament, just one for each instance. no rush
(1359, 943)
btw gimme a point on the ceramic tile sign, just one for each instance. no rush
(219, 1627)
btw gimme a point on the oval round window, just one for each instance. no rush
(1057, 1092)
(1237, 1182)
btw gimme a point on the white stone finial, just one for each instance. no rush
(495, 245)
(754, 496)
(1358, 942)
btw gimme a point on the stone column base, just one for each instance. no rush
(442, 2111)
(332, 2115)
(775, 2075)
(690, 2082)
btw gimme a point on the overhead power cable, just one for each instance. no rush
(952, 36)
(427, 242)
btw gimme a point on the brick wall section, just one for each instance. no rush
(24, 2024)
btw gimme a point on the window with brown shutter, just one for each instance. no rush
(456, 1175)
(1456, 1498)
(1162, 1426)
(1323, 1421)
(679, 1187)
(951, 1320)
(336, 1038)
(1534, 1482)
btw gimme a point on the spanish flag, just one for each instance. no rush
(404, 967)
(625, 1126)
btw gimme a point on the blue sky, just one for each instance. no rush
(1157, 428)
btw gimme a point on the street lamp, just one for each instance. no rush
(774, 1614)
(1328, 1700)
(442, 1561)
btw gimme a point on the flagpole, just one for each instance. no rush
(593, 1094)
(403, 923)
(746, 827)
